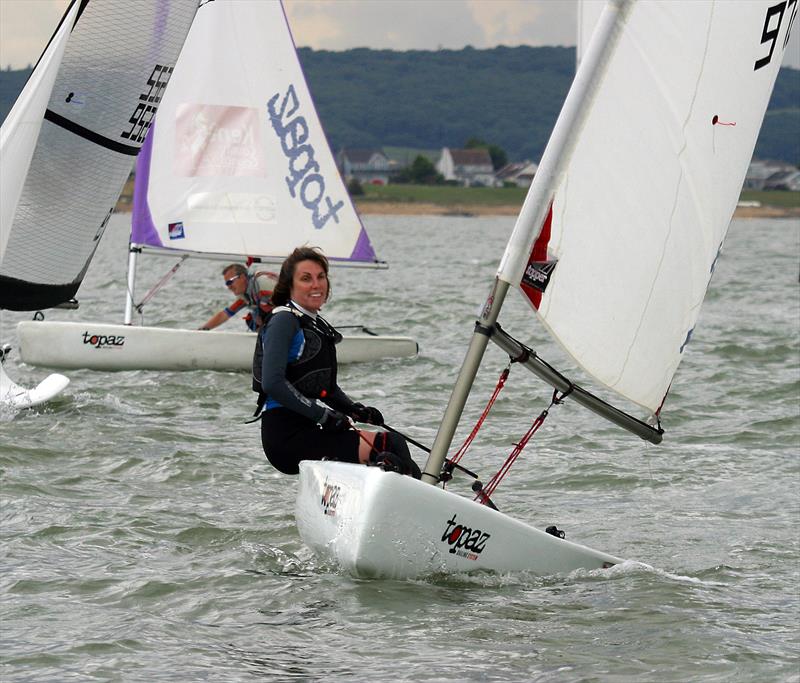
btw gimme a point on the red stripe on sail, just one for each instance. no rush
(539, 253)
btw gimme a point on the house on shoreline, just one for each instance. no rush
(366, 165)
(517, 173)
(765, 174)
(468, 167)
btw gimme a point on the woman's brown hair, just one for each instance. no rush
(283, 290)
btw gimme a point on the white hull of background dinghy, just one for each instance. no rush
(381, 524)
(12, 394)
(127, 347)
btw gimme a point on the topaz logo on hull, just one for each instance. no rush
(463, 540)
(103, 341)
(330, 498)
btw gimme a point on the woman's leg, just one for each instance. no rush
(365, 446)
(395, 445)
(288, 438)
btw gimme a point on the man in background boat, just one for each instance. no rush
(252, 289)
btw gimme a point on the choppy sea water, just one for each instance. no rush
(145, 537)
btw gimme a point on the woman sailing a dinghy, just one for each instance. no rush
(305, 415)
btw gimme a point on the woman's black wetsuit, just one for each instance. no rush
(298, 379)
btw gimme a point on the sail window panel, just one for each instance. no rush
(243, 208)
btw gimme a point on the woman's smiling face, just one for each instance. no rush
(310, 285)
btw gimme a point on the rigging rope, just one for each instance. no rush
(158, 285)
(468, 441)
(483, 496)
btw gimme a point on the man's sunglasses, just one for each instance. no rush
(231, 280)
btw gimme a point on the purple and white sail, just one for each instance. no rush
(237, 163)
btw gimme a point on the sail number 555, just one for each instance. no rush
(148, 102)
(772, 28)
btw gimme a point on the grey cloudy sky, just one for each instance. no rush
(26, 25)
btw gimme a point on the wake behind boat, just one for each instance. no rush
(235, 168)
(614, 248)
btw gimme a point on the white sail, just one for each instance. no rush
(20, 129)
(641, 208)
(237, 162)
(116, 63)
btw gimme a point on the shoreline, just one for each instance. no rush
(429, 209)
(367, 208)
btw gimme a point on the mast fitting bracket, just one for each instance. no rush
(483, 329)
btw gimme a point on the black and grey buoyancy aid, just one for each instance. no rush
(313, 371)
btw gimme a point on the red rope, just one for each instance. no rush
(468, 441)
(488, 490)
(484, 495)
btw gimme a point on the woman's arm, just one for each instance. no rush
(338, 400)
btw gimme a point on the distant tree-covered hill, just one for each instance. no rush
(430, 99)
(11, 84)
(506, 96)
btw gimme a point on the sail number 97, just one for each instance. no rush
(772, 28)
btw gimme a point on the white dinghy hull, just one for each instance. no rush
(12, 394)
(380, 524)
(95, 346)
